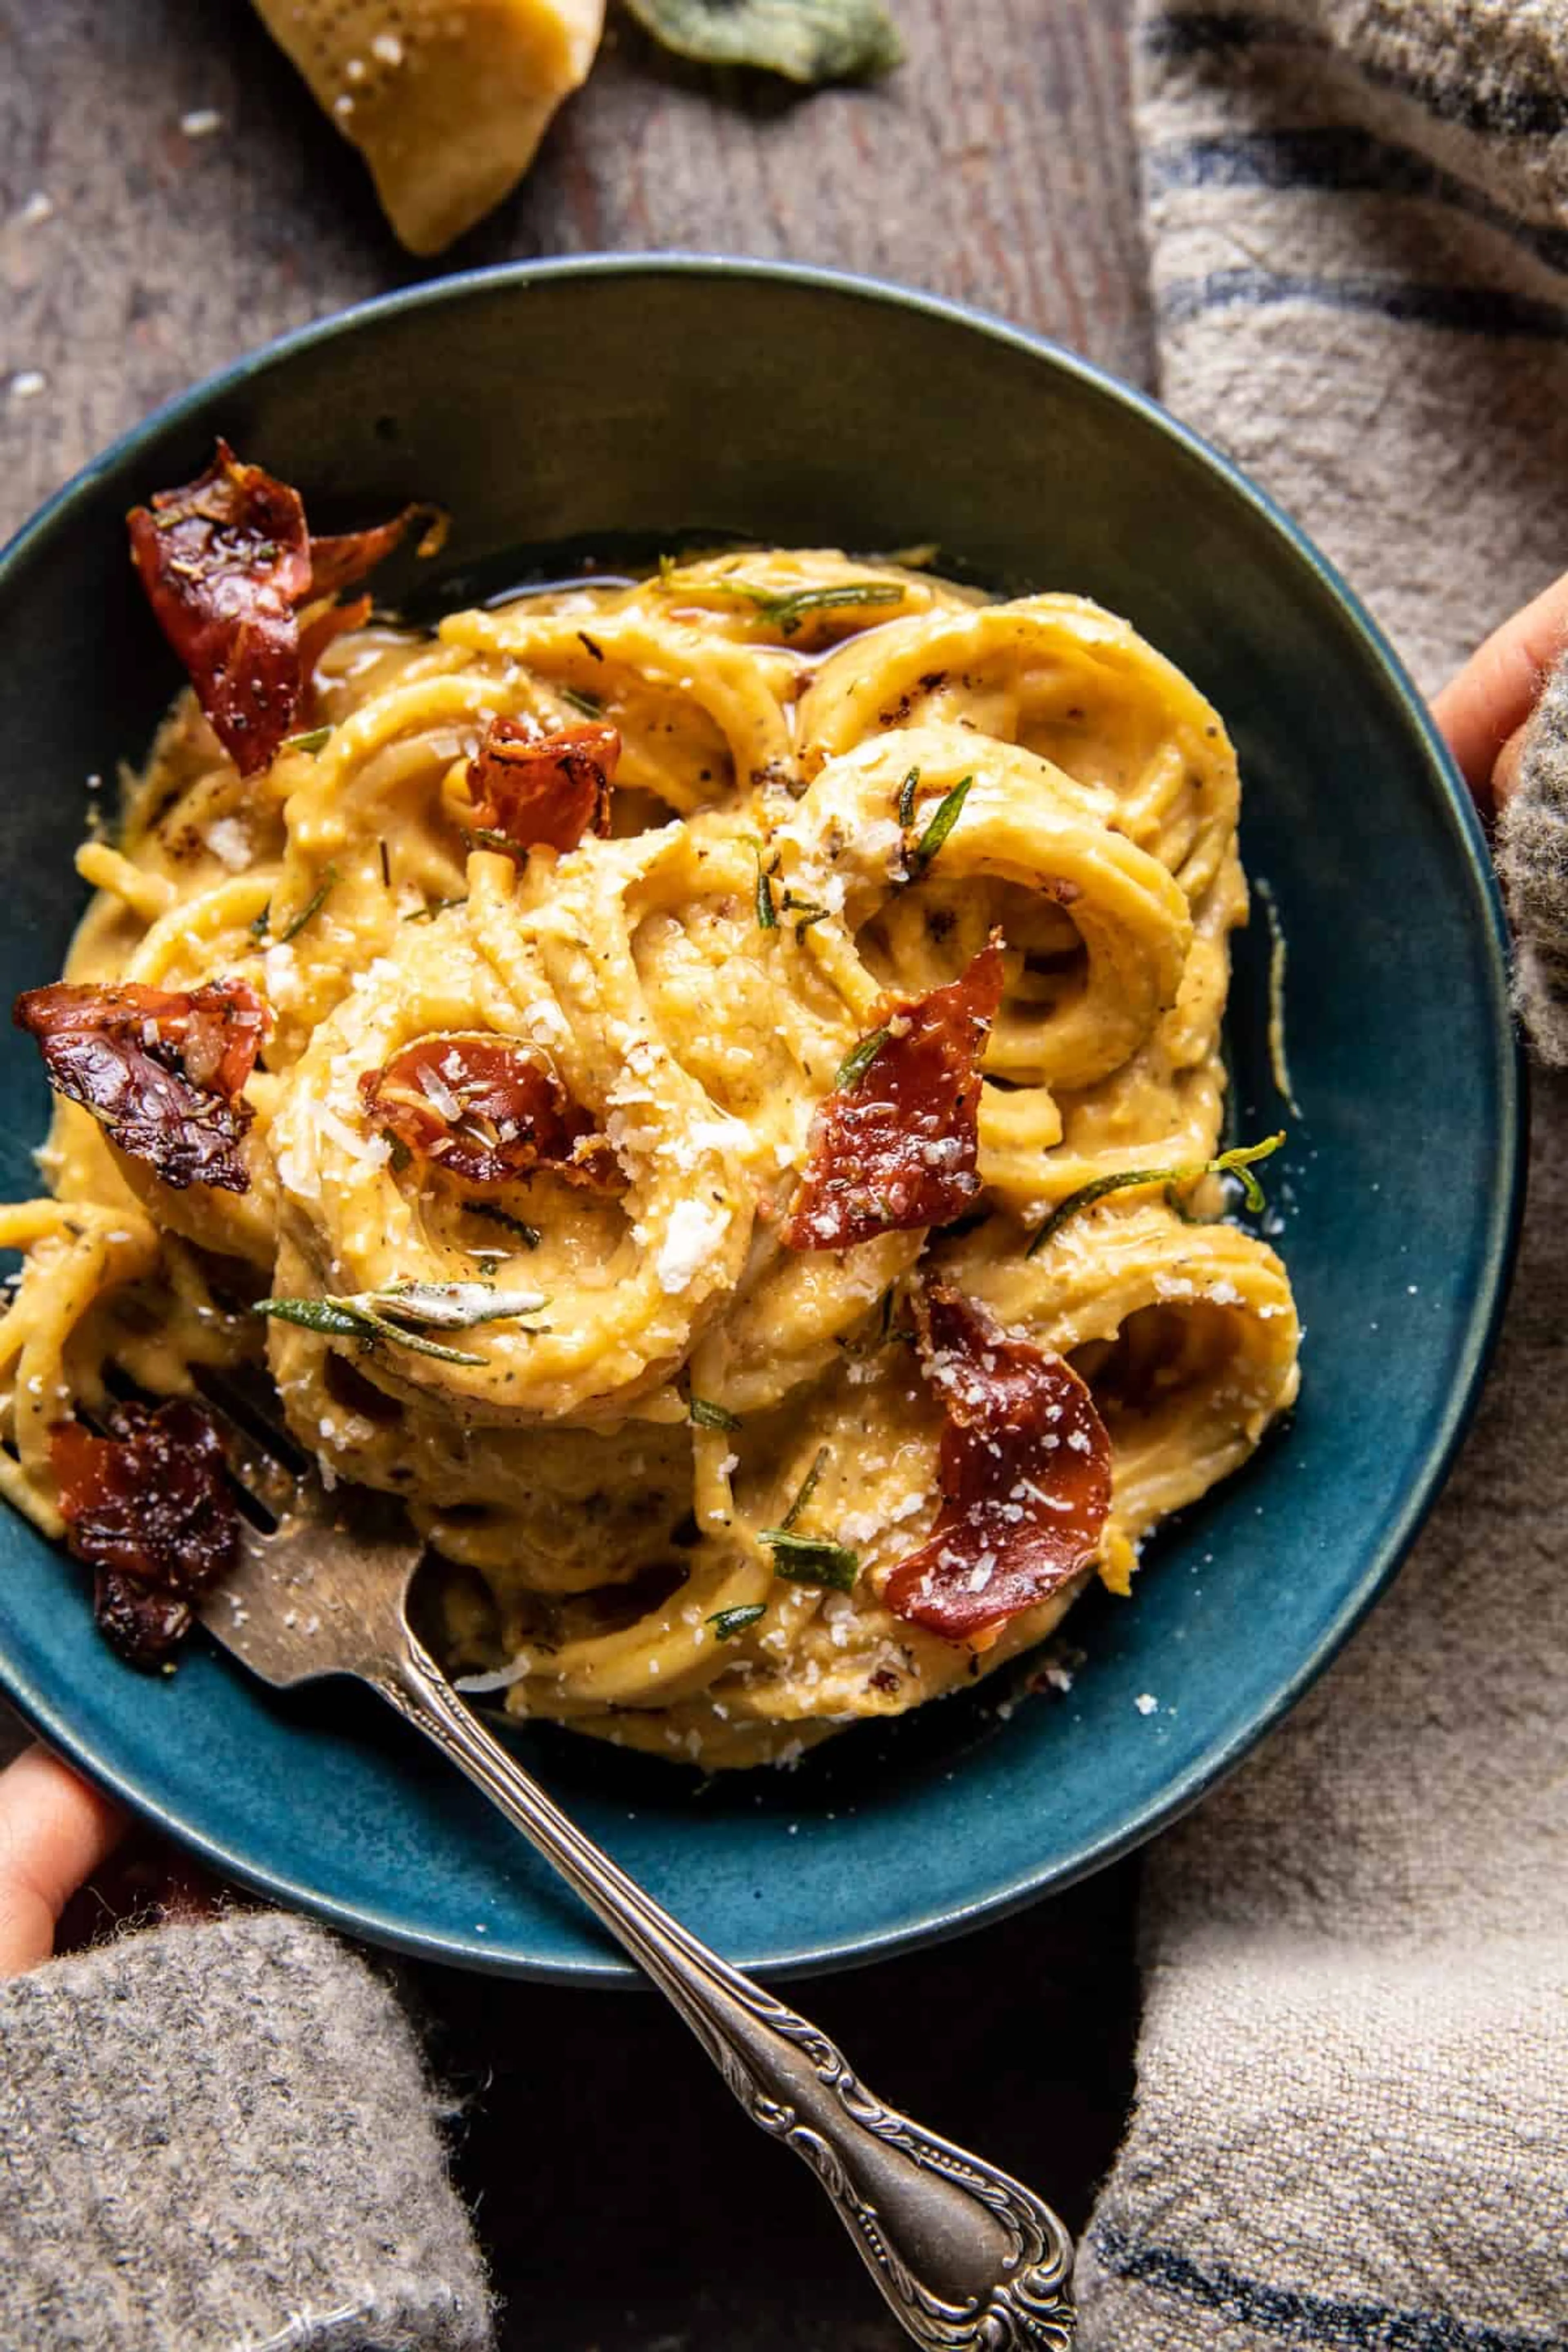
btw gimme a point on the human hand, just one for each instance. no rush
(56, 1829)
(1484, 711)
(73, 1869)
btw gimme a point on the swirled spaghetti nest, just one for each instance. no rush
(601, 1473)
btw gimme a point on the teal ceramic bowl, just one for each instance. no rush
(627, 403)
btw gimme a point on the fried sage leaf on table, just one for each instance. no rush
(805, 40)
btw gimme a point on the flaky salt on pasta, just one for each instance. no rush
(707, 1086)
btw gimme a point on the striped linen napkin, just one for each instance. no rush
(1351, 2126)
(1357, 212)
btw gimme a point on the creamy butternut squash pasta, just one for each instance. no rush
(703, 1086)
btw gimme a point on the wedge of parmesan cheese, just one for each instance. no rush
(446, 99)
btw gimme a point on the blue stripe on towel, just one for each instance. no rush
(1343, 161)
(1306, 2319)
(1464, 310)
(1522, 110)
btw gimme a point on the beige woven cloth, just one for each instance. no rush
(1351, 2126)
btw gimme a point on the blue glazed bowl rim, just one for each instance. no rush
(1185, 1788)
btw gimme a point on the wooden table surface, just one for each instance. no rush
(996, 166)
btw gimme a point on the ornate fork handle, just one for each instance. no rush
(965, 2255)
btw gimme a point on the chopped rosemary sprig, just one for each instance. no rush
(811, 1559)
(434, 907)
(706, 1414)
(346, 1318)
(790, 613)
(312, 905)
(336, 1315)
(310, 740)
(805, 912)
(258, 927)
(907, 790)
(529, 1235)
(808, 1488)
(918, 860)
(767, 913)
(370, 1315)
(588, 703)
(859, 1061)
(590, 645)
(788, 609)
(1238, 1162)
(489, 837)
(869, 1343)
(728, 1622)
(1178, 1207)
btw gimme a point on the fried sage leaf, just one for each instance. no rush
(805, 40)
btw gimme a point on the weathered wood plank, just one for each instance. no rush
(994, 166)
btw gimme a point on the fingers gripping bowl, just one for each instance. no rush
(1080, 1037)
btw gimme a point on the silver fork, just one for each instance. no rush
(965, 2255)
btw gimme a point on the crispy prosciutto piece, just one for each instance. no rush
(484, 1111)
(161, 1070)
(1024, 1471)
(225, 561)
(895, 1143)
(150, 1509)
(331, 621)
(336, 562)
(544, 791)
